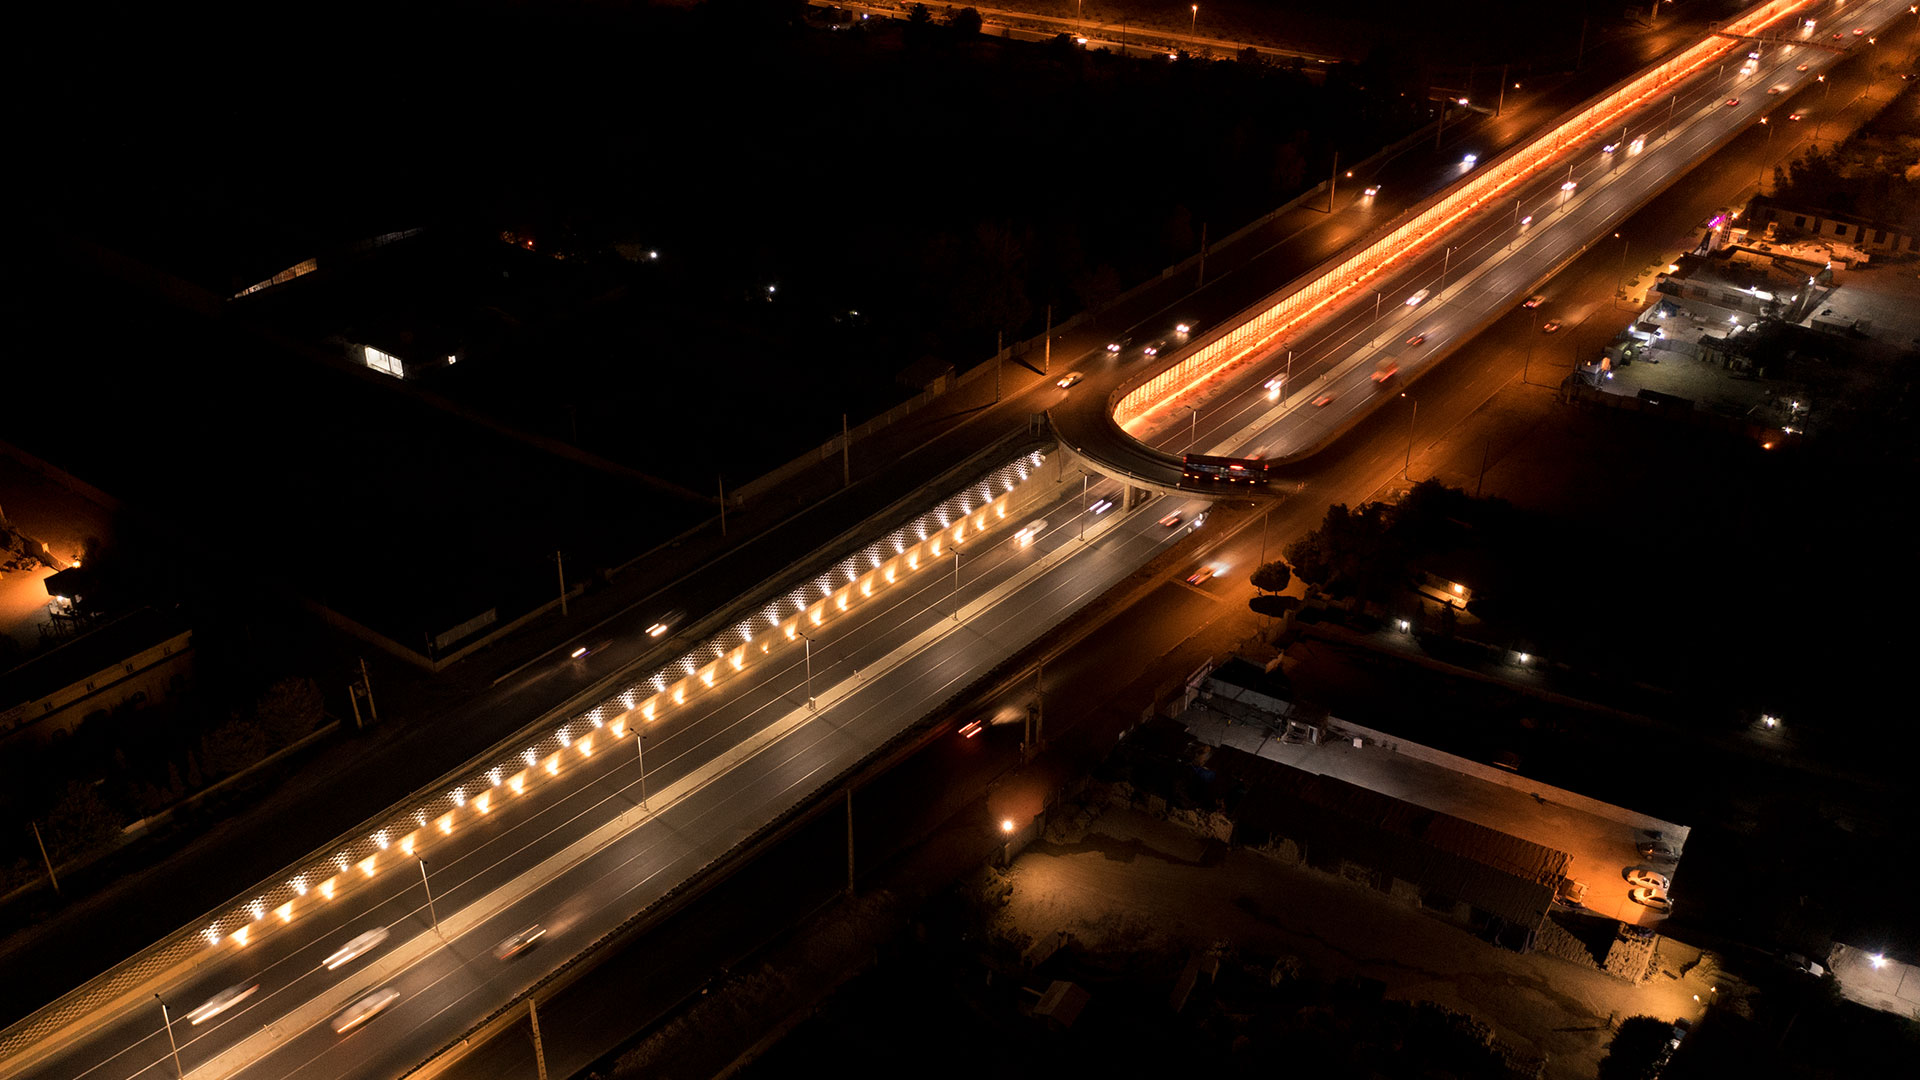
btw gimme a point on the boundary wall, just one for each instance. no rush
(1262, 326)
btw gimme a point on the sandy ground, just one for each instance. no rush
(1136, 883)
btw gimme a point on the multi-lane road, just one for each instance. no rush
(1308, 389)
(579, 854)
(720, 771)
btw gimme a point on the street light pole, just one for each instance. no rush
(1407, 472)
(640, 755)
(423, 881)
(810, 701)
(1193, 23)
(1193, 432)
(956, 583)
(1622, 284)
(165, 1017)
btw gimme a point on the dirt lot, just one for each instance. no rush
(1133, 883)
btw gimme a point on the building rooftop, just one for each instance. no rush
(1494, 818)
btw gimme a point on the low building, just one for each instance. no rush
(1862, 234)
(138, 658)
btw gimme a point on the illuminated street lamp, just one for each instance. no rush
(1195, 21)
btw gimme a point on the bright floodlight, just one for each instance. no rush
(1006, 825)
(1878, 960)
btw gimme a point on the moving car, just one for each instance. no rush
(1777, 88)
(1417, 339)
(1550, 326)
(1649, 898)
(1643, 878)
(1119, 343)
(1321, 401)
(1417, 297)
(365, 1009)
(1201, 575)
(1101, 506)
(1732, 101)
(1568, 186)
(1186, 328)
(1372, 190)
(1030, 531)
(1171, 519)
(1470, 159)
(1385, 370)
(1610, 148)
(1802, 67)
(356, 948)
(1154, 349)
(1795, 116)
(221, 1002)
(1067, 380)
(1858, 30)
(1534, 301)
(666, 622)
(519, 943)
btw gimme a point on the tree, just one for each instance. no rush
(964, 23)
(234, 746)
(289, 710)
(78, 820)
(1634, 1053)
(1272, 577)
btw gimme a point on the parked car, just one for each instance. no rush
(1571, 891)
(1652, 899)
(1641, 877)
(1657, 850)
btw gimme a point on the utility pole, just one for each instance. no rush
(1485, 448)
(1046, 348)
(366, 689)
(721, 483)
(539, 1051)
(1502, 102)
(1443, 123)
(846, 459)
(560, 567)
(1407, 472)
(165, 1017)
(423, 882)
(1333, 176)
(1264, 519)
(1083, 506)
(48, 861)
